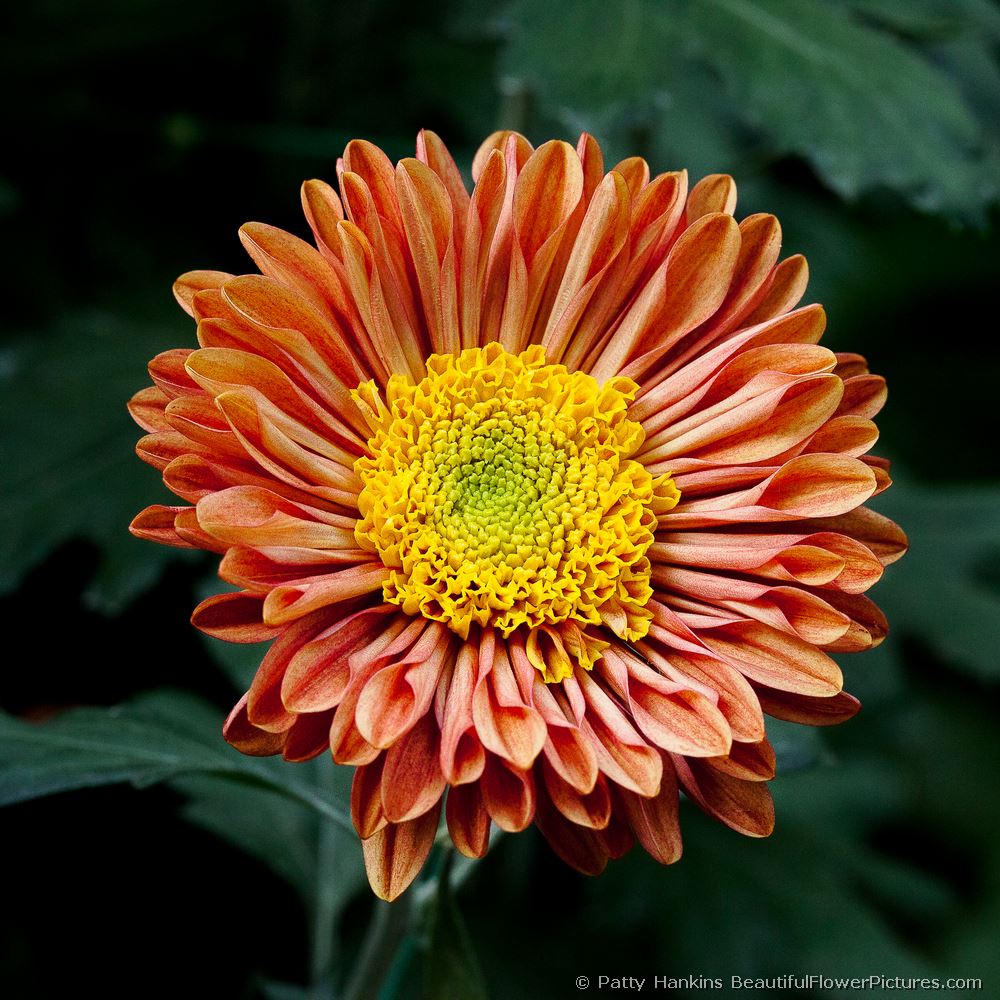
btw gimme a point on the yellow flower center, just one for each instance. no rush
(500, 492)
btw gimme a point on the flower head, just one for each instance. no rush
(545, 496)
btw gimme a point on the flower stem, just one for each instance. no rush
(388, 926)
(324, 937)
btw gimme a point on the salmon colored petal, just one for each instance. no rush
(777, 659)
(687, 289)
(318, 673)
(468, 820)
(234, 618)
(188, 285)
(578, 846)
(508, 794)
(806, 710)
(240, 733)
(396, 853)
(745, 806)
(714, 193)
(591, 809)
(412, 781)
(654, 821)
(323, 210)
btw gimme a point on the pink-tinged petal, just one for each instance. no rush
(168, 370)
(147, 408)
(592, 809)
(634, 170)
(367, 812)
(248, 515)
(240, 733)
(392, 336)
(233, 618)
(546, 194)
(308, 737)
(318, 673)
(294, 324)
(293, 601)
(868, 625)
(714, 193)
(188, 285)
(744, 806)
(462, 754)
(432, 151)
(261, 570)
(157, 523)
(782, 292)
(468, 820)
(747, 761)
(760, 244)
(347, 745)
(810, 486)
(684, 292)
(264, 706)
(430, 232)
(752, 430)
(678, 386)
(506, 725)
(736, 698)
(597, 249)
(883, 537)
(864, 396)
(412, 781)
(390, 255)
(397, 696)
(787, 608)
(500, 141)
(592, 161)
(508, 794)
(654, 821)
(484, 214)
(768, 656)
(579, 847)
(622, 753)
(808, 711)
(396, 853)
(671, 717)
(375, 169)
(323, 210)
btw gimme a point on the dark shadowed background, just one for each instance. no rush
(138, 136)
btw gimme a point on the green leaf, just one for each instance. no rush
(264, 824)
(67, 454)
(157, 737)
(451, 968)
(942, 590)
(867, 109)
(862, 107)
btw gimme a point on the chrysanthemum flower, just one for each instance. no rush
(545, 495)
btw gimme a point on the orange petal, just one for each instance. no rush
(654, 821)
(713, 193)
(412, 781)
(468, 820)
(396, 853)
(745, 806)
(508, 794)
(768, 656)
(233, 618)
(240, 733)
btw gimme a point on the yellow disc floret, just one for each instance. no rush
(500, 492)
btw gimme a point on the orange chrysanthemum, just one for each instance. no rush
(545, 497)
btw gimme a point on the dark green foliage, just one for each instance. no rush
(140, 136)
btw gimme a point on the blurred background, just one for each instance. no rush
(139, 135)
